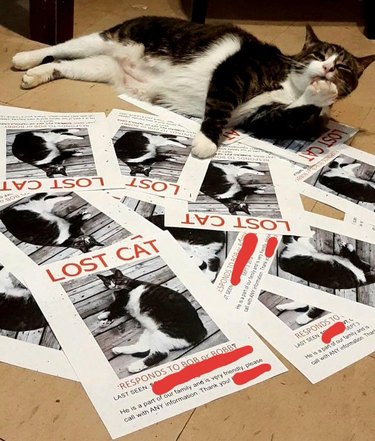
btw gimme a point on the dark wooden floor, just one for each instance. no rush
(288, 317)
(168, 171)
(328, 242)
(365, 171)
(261, 205)
(83, 165)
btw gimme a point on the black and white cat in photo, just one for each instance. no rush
(203, 246)
(18, 310)
(344, 270)
(140, 150)
(218, 72)
(309, 314)
(42, 149)
(34, 221)
(224, 182)
(168, 319)
(342, 178)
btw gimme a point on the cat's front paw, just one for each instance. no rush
(260, 190)
(321, 93)
(39, 75)
(137, 366)
(202, 147)
(303, 319)
(85, 214)
(104, 321)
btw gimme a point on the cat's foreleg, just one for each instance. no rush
(320, 94)
(309, 316)
(81, 47)
(224, 94)
(101, 68)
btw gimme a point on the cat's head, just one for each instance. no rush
(85, 243)
(52, 170)
(139, 168)
(115, 281)
(321, 60)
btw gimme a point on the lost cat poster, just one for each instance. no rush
(243, 196)
(305, 152)
(346, 182)
(56, 152)
(319, 343)
(335, 267)
(173, 370)
(154, 155)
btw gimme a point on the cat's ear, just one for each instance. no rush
(363, 62)
(310, 38)
(118, 274)
(102, 278)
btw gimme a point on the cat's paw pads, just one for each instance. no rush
(303, 319)
(321, 93)
(202, 147)
(137, 366)
(37, 75)
(117, 350)
(25, 60)
(85, 214)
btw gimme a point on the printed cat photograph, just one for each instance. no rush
(217, 71)
(53, 153)
(20, 316)
(293, 314)
(329, 262)
(141, 315)
(237, 188)
(154, 155)
(50, 227)
(208, 249)
(349, 179)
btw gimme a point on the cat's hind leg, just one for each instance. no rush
(142, 345)
(101, 68)
(291, 306)
(160, 346)
(81, 47)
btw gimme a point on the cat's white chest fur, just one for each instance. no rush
(133, 308)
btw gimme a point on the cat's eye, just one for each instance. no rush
(319, 56)
(341, 66)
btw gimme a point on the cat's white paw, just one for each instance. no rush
(103, 315)
(321, 93)
(137, 366)
(303, 319)
(85, 214)
(26, 60)
(260, 190)
(105, 323)
(118, 350)
(78, 154)
(37, 75)
(202, 147)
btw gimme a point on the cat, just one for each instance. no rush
(41, 150)
(343, 271)
(310, 314)
(217, 71)
(200, 245)
(139, 150)
(33, 220)
(341, 178)
(169, 320)
(18, 310)
(223, 183)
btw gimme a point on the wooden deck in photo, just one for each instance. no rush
(261, 205)
(83, 165)
(271, 301)
(90, 297)
(365, 171)
(328, 242)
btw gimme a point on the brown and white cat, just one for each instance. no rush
(218, 72)
(169, 320)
